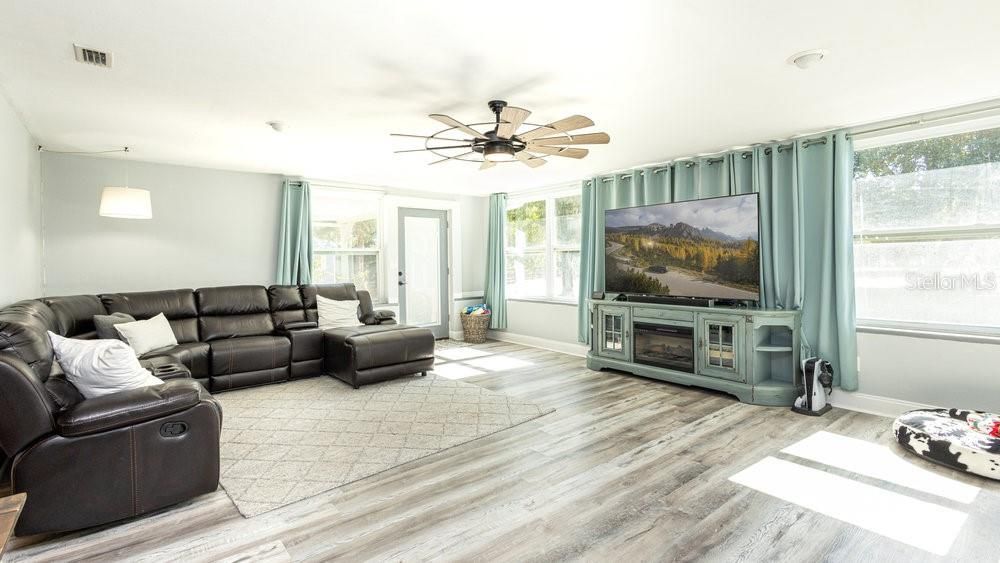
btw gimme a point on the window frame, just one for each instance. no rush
(915, 328)
(551, 246)
(377, 198)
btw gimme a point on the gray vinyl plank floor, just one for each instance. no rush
(625, 469)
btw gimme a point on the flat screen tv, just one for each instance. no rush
(705, 248)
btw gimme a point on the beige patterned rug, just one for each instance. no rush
(283, 443)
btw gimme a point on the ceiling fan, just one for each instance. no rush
(503, 143)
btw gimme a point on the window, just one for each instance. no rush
(345, 233)
(543, 248)
(927, 232)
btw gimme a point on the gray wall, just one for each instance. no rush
(475, 218)
(20, 209)
(944, 373)
(209, 227)
(537, 319)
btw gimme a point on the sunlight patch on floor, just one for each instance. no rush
(921, 524)
(462, 353)
(874, 460)
(456, 371)
(498, 363)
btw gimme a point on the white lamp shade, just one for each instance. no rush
(126, 203)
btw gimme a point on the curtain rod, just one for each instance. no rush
(941, 115)
(715, 160)
(43, 149)
(922, 121)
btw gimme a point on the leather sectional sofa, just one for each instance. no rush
(85, 462)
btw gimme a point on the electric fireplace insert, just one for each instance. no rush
(666, 346)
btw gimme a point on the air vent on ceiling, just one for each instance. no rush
(92, 56)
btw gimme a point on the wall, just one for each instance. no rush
(209, 227)
(218, 227)
(936, 372)
(543, 324)
(475, 218)
(20, 204)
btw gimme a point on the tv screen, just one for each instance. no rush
(700, 248)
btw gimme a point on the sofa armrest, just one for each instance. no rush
(129, 407)
(296, 325)
(168, 371)
(385, 317)
(153, 363)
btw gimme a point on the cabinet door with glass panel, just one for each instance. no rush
(720, 347)
(614, 333)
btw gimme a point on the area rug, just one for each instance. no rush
(287, 442)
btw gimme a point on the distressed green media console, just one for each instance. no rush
(750, 353)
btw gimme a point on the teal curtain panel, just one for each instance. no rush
(806, 233)
(295, 235)
(642, 186)
(496, 277)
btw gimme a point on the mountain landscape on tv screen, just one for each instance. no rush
(705, 248)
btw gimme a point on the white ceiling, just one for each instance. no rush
(194, 81)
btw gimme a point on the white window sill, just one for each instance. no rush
(929, 332)
(545, 300)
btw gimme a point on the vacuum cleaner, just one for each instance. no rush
(817, 379)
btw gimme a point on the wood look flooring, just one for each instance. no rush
(625, 469)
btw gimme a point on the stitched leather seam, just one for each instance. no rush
(135, 485)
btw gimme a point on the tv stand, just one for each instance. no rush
(751, 353)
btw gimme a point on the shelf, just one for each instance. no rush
(774, 384)
(773, 348)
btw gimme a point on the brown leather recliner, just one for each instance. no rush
(85, 462)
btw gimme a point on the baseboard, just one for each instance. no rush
(873, 404)
(571, 348)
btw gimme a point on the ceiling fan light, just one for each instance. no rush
(498, 152)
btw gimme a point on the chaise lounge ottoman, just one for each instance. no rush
(371, 353)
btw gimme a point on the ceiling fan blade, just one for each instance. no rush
(584, 139)
(430, 137)
(437, 148)
(571, 123)
(452, 157)
(528, 159)
(457, 124)
(511, 118)
(558, 151)
(487, 164)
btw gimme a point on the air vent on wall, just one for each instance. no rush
(92, 56)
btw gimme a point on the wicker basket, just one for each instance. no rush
(474, 327)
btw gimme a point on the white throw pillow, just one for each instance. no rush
(100, 367)
(147, 335)
(337, 314)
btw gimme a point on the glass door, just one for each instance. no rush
(423, 269)
(720, 345)
(614, 332)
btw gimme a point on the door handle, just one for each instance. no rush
(402, 278)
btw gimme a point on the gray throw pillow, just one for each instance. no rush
(105, 325)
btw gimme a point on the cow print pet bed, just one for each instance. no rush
(945, 436)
